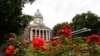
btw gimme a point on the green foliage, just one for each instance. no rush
(20, 47)
(11, 20)
(77, 47)
(80, 40)
(58, 26)
(86, 20)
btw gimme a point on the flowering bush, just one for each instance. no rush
(14, 47)
(63, 45)
(92, 38)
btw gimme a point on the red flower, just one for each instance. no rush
(11, 47)
(45, 49)
(60, 31)
(92, 38)
(66, 26)
(54, 43)
(59, 40)
(25, 42)
(38, 42)
(66, 30)
(9, 50)
(52, 39)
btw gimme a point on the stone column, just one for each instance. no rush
(39, 32)
(43, 33)
(35, 32)
(31, 34)
(46, 35)
(49, 35)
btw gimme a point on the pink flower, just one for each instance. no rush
(25, 42)
(10, 39)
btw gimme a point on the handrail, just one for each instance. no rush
(80, 31)
(77, 32)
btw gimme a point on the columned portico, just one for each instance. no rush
(43, 33)
(38, 28)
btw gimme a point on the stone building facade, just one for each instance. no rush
(38, 28)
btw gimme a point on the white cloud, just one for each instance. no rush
(57, 11)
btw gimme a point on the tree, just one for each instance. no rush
(86, 20)
(58, 26)
(11, 20)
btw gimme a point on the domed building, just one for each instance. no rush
(38, 28)
(38, 19)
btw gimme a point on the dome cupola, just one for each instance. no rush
(38, 14)
(38, 18)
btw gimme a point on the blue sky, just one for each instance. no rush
(57, 11)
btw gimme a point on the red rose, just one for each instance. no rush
(67, 33)
(38, 42)
(66, 30)
(9, 50)
(41, 41)
(45, 49)
(59, 40)
(92, 38)
(52, 39)
(54, 43)
(60, 31)
(66, 26)
(11, 47)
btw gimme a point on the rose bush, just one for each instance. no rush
(14, 46)
(64, 45)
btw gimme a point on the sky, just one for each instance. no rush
(58, 11)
